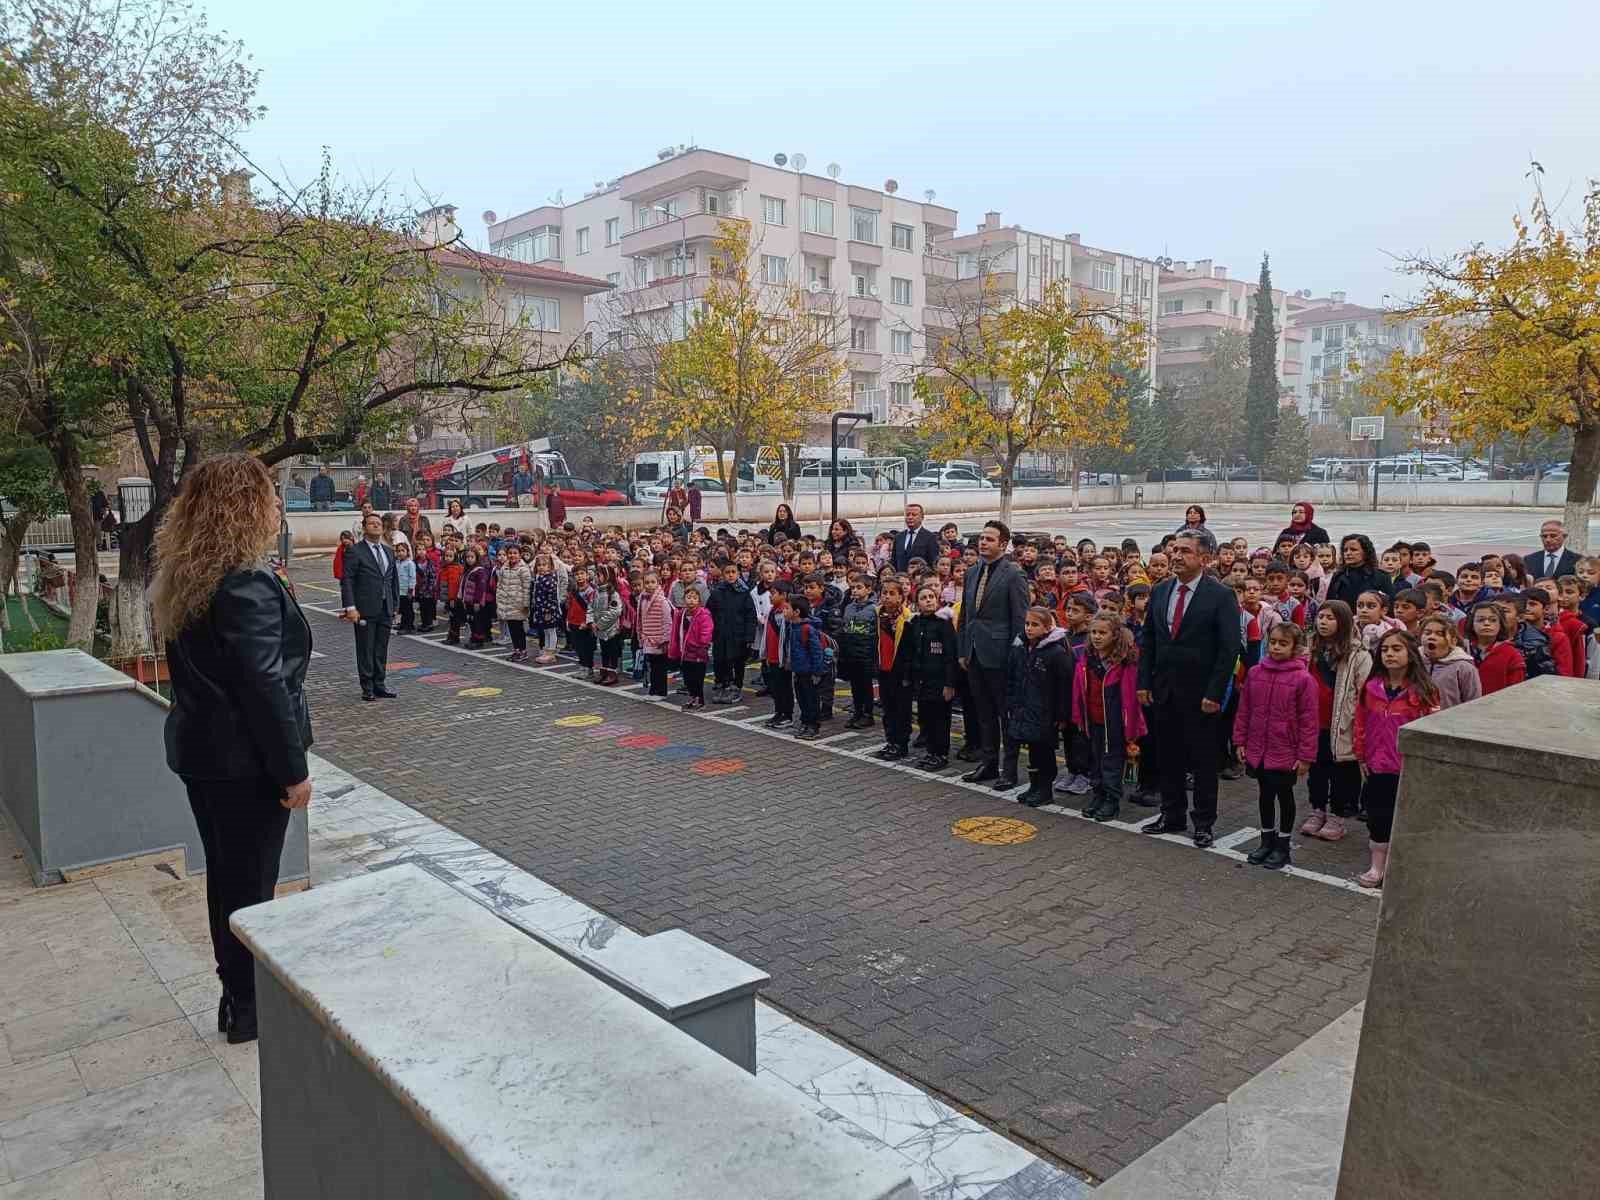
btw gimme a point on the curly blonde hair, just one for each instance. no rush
(224, 516)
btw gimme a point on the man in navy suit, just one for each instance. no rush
(1187, 656)
(1553, 559)
(370, 593)
(914, 541)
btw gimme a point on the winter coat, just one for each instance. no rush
(405, 572)
(734, 615)
(1575, 630)
(1039, 687)
(1499, 667)
(605, 613)
(655, 623)
(805, 646)
(1276, 725)
(929, 647)
(544, 601)
(1349, 582)
(450, 579)
(762, 602)
(1309, 532)
(858, 635)
(691, 636)
(1378, 721)
(475, 586)
(427, 578)
(1123, 676)
(1537, 653)
(338, 559)
(1349, 677)
(1456, 677)
(1372, 634)
(514, 594)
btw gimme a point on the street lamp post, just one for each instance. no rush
(833, 449)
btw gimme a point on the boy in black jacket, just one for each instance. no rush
(931, 642)
(858, 643)
(733, 616)
(894, 671)
(825, 609)
(1039, 699)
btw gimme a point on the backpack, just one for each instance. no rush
(1535, 649)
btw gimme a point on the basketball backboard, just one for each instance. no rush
(1366, 429)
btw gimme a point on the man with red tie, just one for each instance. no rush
(1187, 654)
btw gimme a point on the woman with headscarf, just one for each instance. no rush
(237, 731)
(1302, 525)
(1358, 571)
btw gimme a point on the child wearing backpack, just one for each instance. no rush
(1106, 711)
(807, 664)
(1276, 731)
(1399, 692)
(1541, 653)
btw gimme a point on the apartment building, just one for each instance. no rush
(1199, 301)
(648, 234)
(1019, 263)
(1340, 341)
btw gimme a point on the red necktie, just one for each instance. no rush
(1177, 613)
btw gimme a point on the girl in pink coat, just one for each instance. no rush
(1276, 732)
(692, 631)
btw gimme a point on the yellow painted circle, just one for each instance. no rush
(479, 693)
(994, 831)
(582, 721)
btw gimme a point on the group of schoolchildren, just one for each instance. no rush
(1341, 646)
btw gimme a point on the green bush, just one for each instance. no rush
(45, 640)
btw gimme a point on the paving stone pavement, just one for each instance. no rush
(1087, 991)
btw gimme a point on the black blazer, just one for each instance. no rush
(986, 632)
(924, 544)
(1534, 562)
(238, 673)
(1199, 664)
(374, 594)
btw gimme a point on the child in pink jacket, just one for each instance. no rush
(692, 630)
(1276, 732)
(655, 633)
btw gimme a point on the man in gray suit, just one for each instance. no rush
(994, 603)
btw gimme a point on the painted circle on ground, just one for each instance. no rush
(643, 741)
(994, 831)
(609, 729)
(680, 753)
(718, 766)
(580, 721)
(479, 693)
(401, 666)
(443, 679)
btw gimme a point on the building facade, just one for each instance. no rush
(649, 234)
(1340, 342)
(1199, 301)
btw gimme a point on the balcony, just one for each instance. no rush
(934, 317)
(867, 307)
(1178, 357)
(696, 168)
(658, 293)
(938, 266)
(867, 253)
(667, 234)
(864, 360)
(1291, 366)
(1197, 320)
(874, 401)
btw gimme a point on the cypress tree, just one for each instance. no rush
(1261, 394)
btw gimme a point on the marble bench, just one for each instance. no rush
(415, 1046)
(83, 772)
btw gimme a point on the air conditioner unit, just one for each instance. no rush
(873, 290)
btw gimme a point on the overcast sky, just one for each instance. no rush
(1331, 135)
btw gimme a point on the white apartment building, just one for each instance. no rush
(1340, 340)
(1200, 301)
(1018, 262)
(649, 233)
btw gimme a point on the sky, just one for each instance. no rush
(1338, 137)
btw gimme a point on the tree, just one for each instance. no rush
(752, 361)
(1261, 397)
(1153, 429)
(1512, 343)
(1017, 375)
(1291, 449)
(586, 412)
(28, 486)
(1212, 419)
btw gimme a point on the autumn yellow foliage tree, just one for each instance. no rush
(1512, 344)
(730, 359)
(1017, 375)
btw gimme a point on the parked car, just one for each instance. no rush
(577, 492)
(1249, 473)
(711, 486)
(298, 499)
(950, 477)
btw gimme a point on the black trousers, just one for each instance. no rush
(730, 669)
(694, 677)
(988, 685)
(860, 677)
(657, 666)
(1334, 781)
(895, 697)
(581, 639)
(407, 622)
(519, 634)
(807, 691)
(1378, 795)
(780, 686)
(242, 826)
(933, 714)
(372, 651)
(1041, 763)
(428, 607)
(611, 653)
(1275, 791)
(1188, 743)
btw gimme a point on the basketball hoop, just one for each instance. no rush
(1366, 429)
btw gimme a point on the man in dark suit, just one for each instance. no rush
(1187, 656)
(994, 603)
(1553, 559)
(914, 541)
(370, 593)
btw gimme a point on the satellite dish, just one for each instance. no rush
(890, 186)
(780, 158)
(814, 286)
(929, 195)
(833, 170)
(799, 162)
(488, 216)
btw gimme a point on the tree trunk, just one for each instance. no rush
(85, 538)
(10, 555)
(1006, 486)
(1072, 470)
(130, 624)
(1582, 476)
(731, 483)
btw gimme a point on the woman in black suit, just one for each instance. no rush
(237, 648)
(783, 522)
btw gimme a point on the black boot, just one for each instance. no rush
(242, 1022)
(1279, 858)
(1267, 848)
(1108, 810)
(224, 1011)
(1093, 806)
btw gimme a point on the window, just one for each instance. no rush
(1171, 308)
(583, 240)
(863, 225)
(816, 215)
(900, 394)
(712, 203)
(899, 291)
(772, 210)
(1144, 291)
(864, 282)
(863, 335)
(674, 265)
(817, 273)
(1105, 277)
(901, 235)
(1316, 334)
(614, 278)
(900, 341)
(774, 269)
(613, 227)
(1033, 266)
(1233, 306)
(542, 312)
(1350, 331)
(546, 243)
(1333, 337)
(1208, 306)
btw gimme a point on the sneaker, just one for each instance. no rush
(547, 659)
(779, 723)
(808, 733)
(1079, 785)
(931, 762)
(1064, 785)
(1314, 822)
(694, 705)
(890, 753)
(1332, 830)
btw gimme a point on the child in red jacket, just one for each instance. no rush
(346, 540)
(1570, 624)
(1400, 691)
(1276, 731)
(1499, 663)
(1106, 711)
